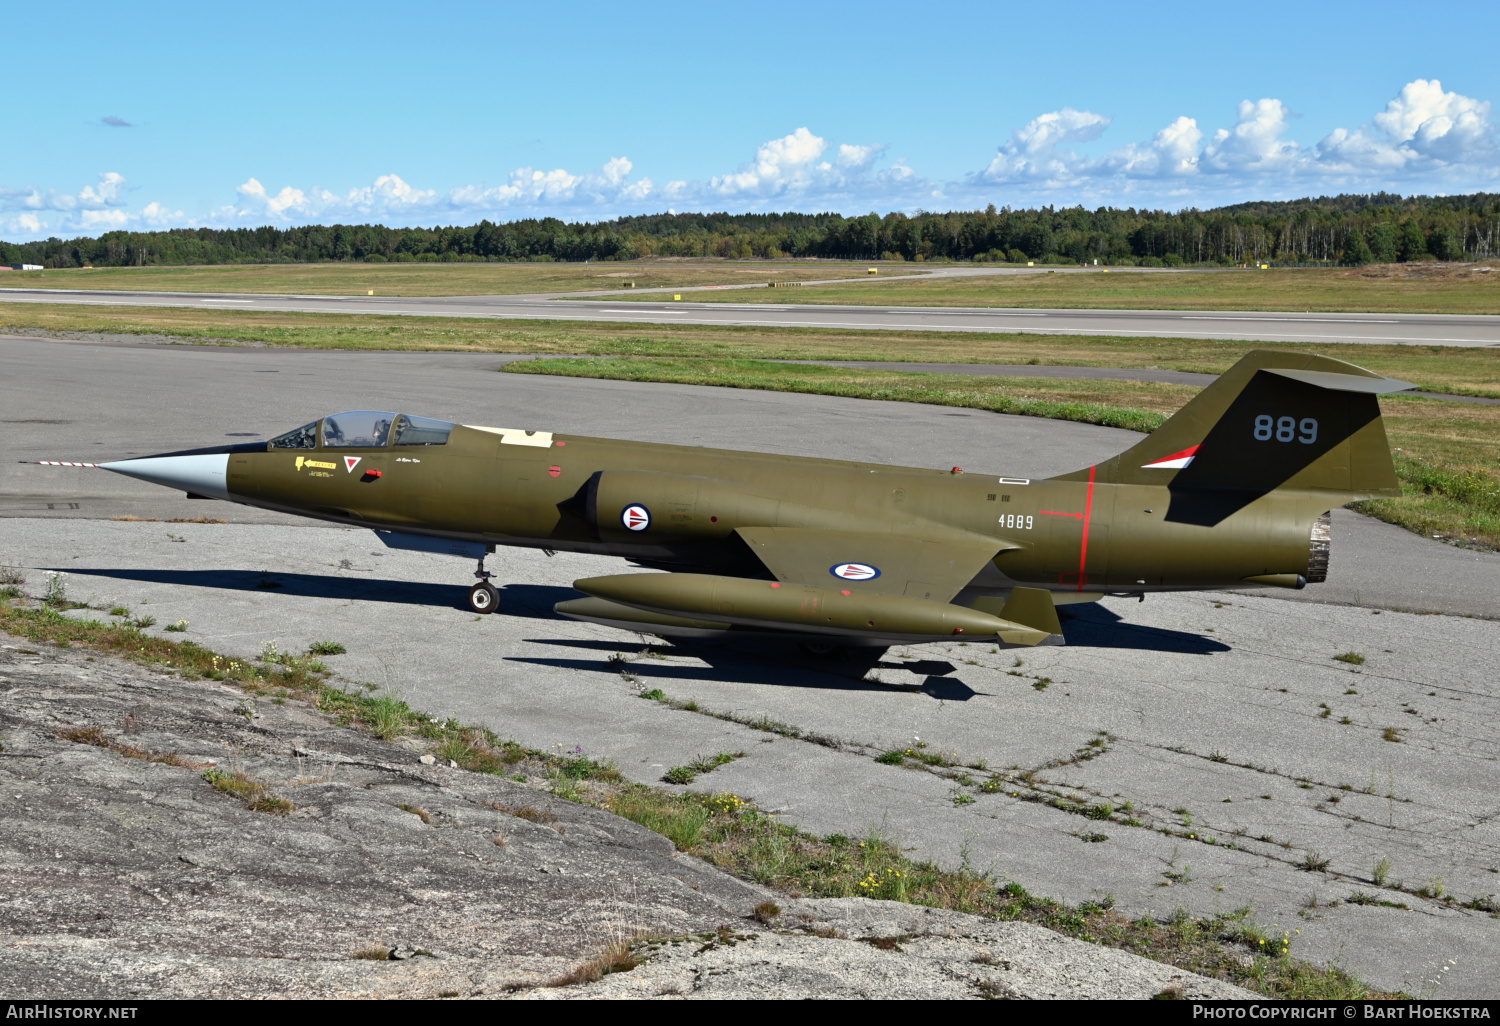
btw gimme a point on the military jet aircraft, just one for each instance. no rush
(1233, 491)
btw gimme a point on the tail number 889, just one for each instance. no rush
(1286, 429)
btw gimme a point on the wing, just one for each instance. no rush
(931, 567)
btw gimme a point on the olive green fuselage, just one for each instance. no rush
(571, 493)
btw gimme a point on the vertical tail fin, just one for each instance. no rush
(1274, 420)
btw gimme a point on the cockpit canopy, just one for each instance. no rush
(366, 429)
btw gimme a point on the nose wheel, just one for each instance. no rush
(484, 597)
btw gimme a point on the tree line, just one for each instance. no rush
(1345, 229)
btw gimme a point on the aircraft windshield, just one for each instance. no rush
(422, 431)
(364, 429)
(305, 437)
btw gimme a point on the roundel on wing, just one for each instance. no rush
(635, 517)
(855, 571)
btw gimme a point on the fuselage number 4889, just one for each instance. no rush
(1285, 429)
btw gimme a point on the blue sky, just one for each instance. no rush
(152, 115)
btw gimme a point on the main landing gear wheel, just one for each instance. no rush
(484, 597)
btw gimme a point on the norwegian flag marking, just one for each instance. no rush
(1176, 461)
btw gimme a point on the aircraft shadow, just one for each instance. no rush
(1094, 626)
(530, 600)
(307, 585)
(775, 665)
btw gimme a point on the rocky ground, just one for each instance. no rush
(128, 873)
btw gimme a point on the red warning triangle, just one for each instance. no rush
(350, 462)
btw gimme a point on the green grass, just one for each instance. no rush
(1397, 288)
(437, 279)
(1058, 399)
(254, 793)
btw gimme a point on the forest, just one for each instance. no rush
(1336, 230)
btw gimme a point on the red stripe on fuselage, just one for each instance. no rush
(1083, 548)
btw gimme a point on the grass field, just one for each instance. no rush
(1472, 371)
(1449, 452)
(1394, 288)
(355, 279)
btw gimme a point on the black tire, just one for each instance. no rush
(821, 649)
(484, 597)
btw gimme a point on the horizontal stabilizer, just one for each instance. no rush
(1340, 382)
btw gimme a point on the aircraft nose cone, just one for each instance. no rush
(203, 474)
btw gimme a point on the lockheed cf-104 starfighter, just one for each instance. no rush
(1233, 491)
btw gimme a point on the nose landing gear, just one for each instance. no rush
(484, 597)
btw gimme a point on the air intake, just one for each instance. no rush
(1317, 549)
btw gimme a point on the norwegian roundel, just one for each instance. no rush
(855, 571)
(635, 517)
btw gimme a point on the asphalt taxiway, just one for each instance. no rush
(1373, 329)
(1225, 719)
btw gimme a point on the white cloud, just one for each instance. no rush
(103, 220)
(1032, 151)
(1435, 123)
(26, 224)
(785, 172)
(1422, 128)
(792, 172)
(1171, 153)
(100, 207)
(788, 164)
(1254, 144)
(257, 201)
(111, 184)
(154, 215)
(1425, 140)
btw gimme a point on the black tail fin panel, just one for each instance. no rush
(1274, 420)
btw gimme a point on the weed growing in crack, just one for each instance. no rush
(1314, 862)
(767, 912)
(1361, 898)
(419, 812)
(254, 793)
(1382, 872)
